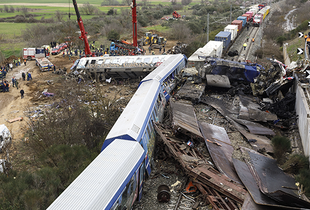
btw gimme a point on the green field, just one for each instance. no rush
(12, 30)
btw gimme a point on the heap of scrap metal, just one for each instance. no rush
(191, 90)
(267, 185)
(223, 191)
(273, 80)
(241, 71)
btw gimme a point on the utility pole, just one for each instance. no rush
(230, 13)
(208, 27)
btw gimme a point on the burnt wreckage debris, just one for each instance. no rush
(253, 180)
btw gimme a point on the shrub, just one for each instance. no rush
(281, 39)
(280, 145)
(303, 178)
(295, 163)
(113, 35)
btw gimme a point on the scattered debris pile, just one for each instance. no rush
(237, 177)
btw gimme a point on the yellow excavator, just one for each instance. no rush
(150, 38)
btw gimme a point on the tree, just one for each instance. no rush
(59, 16)
(186, 2)
(88, 9)
(113, 35)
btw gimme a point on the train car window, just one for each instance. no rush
(149, 130)
(115, 60)
(107, 61)
(86, 63)
(147, 60)
(93, 62)
(147, 133)
(139, 60)
(100, 61)
(122, 61)
(155, 60)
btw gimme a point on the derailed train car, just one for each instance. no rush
(120, 67)
(114, 180)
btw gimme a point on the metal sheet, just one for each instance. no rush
(184, 119)
(196, 167)
(249, 182)
(220, 149)
(191, 91)
(255, 128)
(275, 183)
(249, 204)
(218, 81)
(258, 142)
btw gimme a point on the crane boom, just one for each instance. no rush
(134, 23)
(83, 36)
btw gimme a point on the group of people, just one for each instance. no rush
(5, 86)
(16, 62)
(245, 43)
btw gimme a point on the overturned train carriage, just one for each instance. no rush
(120, 67)
(114, 180)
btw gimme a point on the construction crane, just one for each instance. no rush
(83, 36)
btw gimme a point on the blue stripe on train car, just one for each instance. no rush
(243, 20)
(225, 37)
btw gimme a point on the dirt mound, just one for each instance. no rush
(9, 59)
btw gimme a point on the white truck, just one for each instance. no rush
(33, 53)
(44, 64)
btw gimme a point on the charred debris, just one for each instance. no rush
(219, 125)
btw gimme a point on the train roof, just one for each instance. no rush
(161, 73)
(223, 34)
(263, 10)
(134, 117)
(119, 61)
(208, 50)
(105, 176)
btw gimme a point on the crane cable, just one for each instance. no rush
(69, 9)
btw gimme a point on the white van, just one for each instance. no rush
(5, 137)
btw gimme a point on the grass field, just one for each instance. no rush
(10, 33)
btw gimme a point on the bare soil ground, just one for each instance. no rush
(12, 106)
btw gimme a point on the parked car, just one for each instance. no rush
(55, 50)
(5, 137)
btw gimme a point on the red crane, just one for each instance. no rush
(134, 23)
(83, 36)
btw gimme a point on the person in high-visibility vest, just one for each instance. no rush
(308, 43)
(244, 45)
(305, 36)
(253, 39)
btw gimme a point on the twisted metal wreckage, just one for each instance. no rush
(252, 181)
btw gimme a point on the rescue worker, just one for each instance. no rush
(305, 36)
(23, 75)
(253, 39)
(13, 81)
(244, 45)
(22, 93)
(308, 43)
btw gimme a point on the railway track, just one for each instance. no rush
(244, 54)
(180, 201)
